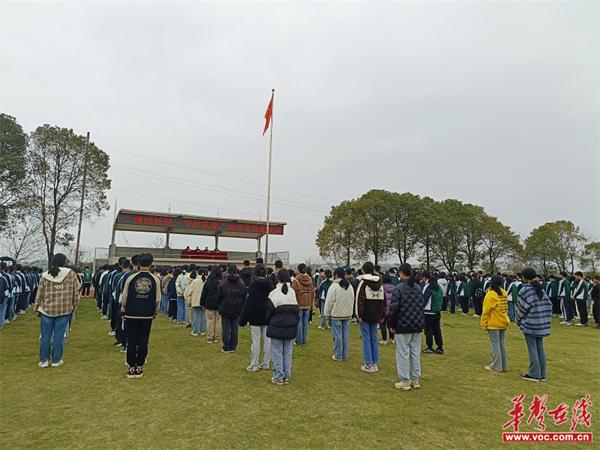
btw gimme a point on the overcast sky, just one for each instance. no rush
(492, 103)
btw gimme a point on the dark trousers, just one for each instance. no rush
(33, 296)
(138, 333)
(582, 310)
(114, 314)
(230, 332)
(596, 311)
(98, 299)
(85, 289)
(172, 311)
(120, 330)
(568, 308)
(464, 304)
(433, 331)
(384, 331)
(555, 305)
(478, 305)
(105, 302)
(452, 301)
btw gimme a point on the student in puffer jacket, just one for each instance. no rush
(283, 327)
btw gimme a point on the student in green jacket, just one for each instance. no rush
(433, 294)
(564, 293)
(87, 282)
(580, 293)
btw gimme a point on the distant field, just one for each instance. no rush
(193, 396)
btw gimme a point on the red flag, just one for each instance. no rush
(269, 113)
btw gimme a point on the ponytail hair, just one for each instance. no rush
(531, 277)
(341, 274)
(496, 284)
(283, 276)
(407, 270)
(58, 261)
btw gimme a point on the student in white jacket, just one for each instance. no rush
(192, 294)
(339, 305)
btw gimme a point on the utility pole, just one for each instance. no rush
(85, 155)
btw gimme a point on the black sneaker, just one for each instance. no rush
(528, 377)
(131, 372)
(139, 372)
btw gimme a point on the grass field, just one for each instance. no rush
(193, 396)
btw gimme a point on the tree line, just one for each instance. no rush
(448, 234)
(41, 183)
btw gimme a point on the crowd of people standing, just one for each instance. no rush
(398, 305)
(278, 305)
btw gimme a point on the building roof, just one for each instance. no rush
(156, 222)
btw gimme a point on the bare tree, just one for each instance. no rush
(22, 239)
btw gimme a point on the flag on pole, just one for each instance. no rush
(269, 113)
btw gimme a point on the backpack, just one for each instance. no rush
(479, 294)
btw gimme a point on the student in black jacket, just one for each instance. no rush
(232, 292)
(256, 313)
(210, 302)
(139, 305)
(283, 327)
(406, 318)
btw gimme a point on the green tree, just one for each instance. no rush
(405, 210)
(338, 238)
(427, 221)
(590, 257)
(56, 160)
(448, 234)
(373, 216)
(569, 244)
(499, 242)
(472, 226)
(13, 173)
(541, 248)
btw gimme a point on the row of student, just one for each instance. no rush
(58, 297)
(18, 288)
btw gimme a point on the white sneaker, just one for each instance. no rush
(374, 368)
(43, 364)
(111, 333)
(193, 334)
(415, 384)
(580, 325)
(58, 364)
(403, 385)
(252, 369)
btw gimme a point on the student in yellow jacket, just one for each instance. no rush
(494, 319)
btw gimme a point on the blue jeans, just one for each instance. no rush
(180, 309)
(230, 328)
(368, 332)
(281, 355)
(199, 322)
(322, 310)
(537, 356)
(302, 335)
(511, 311)
(53, 335)
(341, 338)
(164, 303)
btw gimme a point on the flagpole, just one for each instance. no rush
(269, 184)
